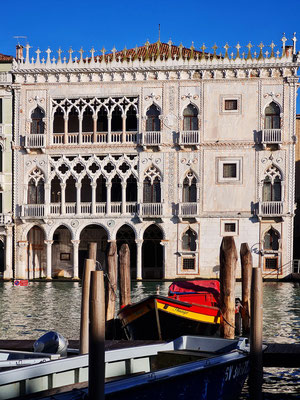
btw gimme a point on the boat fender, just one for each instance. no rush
(51, 342)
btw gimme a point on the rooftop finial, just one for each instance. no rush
(226, 47)
(261, 46)
(158, 33)
(238, 46)
(284, 39)
(215, 50)
(294, 39)
(272, 45)
(249, 55)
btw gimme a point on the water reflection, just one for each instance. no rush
(28, 312)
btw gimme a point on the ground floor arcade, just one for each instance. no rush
(158, 249)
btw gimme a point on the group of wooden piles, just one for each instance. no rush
(252, 306)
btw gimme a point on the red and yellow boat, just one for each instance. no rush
(191, 308)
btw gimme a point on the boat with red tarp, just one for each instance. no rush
(191, 308)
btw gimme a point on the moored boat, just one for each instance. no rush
(189, 367)
(191, 308)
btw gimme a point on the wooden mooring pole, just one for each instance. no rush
(256, 360)
(125, 287)
(89, 266)
(111, 290)
(246, 263)
(92, 246)
(97, 337)
(228, 260)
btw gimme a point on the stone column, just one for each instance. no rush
(123, 209)
(124, 128)
(164, 243)
(94, 187)
(75, 258)
(21, 264)
(78, 200)
(8, 271)
(108, 129)
(108, 197)
(95, 129)
(139, 243)
(49, 258)
(63, 198)
(47, 188)
(66, 130)
(80, 131)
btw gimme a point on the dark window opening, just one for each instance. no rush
(117, 120)
(271, 240)
(71, 190)
(153, 121)
(36, 192)
(86, 190)
(231, 105)
(131, 119)
(272, 192)
(189, 191)
(102, 124)
(37, 123)
(1, 159)
(131, 189)
(87, 121)
(189, 240)
(55, 190)
(116, 189)
(73, 121)
(229, 170)
(229, 227)
(152, 192)
(190, 118)
(1, 118)
(272, 116)
(58, 121)
(101, 190)
(1, 202)
(188, 263)
(271, 263)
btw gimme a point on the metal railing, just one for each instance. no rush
(271, 208)
(271, 136)
(151, 138)
(35, 141)
(189, 138)
(296, 266)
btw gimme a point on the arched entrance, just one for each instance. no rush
(36, 264)
(92, 233)
(126, 235)
(152, 253)
(62, 253)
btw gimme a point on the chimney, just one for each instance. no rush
(19, 52)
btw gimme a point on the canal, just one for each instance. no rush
(28, 312)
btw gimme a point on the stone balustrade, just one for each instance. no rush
(151, 138)
(271, 136)
(270, 208)
(188, 209)
(35, 141)
(189, 138)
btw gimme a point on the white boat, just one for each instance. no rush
(190, 367)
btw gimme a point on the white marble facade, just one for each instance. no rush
(162, 147)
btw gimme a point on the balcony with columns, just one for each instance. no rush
(270, 208)
(271, 136)
(189, 138)
(188, 210)
(151, 139)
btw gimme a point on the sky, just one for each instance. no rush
(98, 24)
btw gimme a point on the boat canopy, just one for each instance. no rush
(193, 287)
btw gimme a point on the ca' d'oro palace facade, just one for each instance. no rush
(165, 148)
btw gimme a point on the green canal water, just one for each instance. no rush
(28, 312)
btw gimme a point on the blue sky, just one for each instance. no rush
(129, 23)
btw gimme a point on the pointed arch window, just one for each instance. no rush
(58, 121)
(87, 120)
(153, 121)
(189, 240)
(189, 190)
(272, 185)
(131, 119)
(190, 118)
(271, 240)
(116, 120)
(37, 123)
(272, 116)
(102, 121)
(151, 186)
(55, 190)
(131, 189)
(101, 190)
(35, 194)
(73, 121)
(116, 189)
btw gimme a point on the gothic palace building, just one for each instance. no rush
(163, 147)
